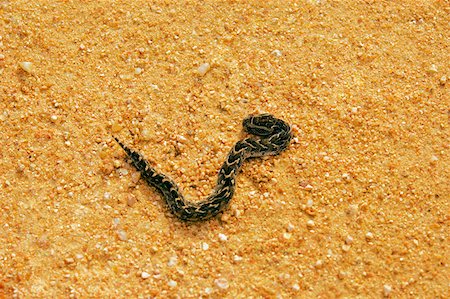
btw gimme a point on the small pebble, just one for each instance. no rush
(348, 240)
(122, 171)
(352, 210)
(107, 195)
(277, 53)
(69, 261)
(122, 235)
(223, 237)
(20, 167)
(318, 264)
(221, 283)
(208, 291)
(26, 66)
(433, 69)
(172, 261)
(131, 200)
(237, 258)
(146, 134)
(54, 118)
(443, 80)
(387, 289)
(369, 236)
(117, 163)
(172, 283)
(116, 222)
(137, 70)
(296, 287)
(309, 203)
(145, 275)
(290, 227)
(181, 138)
(203, 68)
(205, 246)
(342, 274)
(287, 236)
(310, 223)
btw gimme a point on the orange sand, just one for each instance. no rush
(357, 207)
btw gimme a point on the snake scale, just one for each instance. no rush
(271, 136)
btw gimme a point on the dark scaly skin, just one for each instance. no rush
(271, 136)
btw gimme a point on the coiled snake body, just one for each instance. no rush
(271, 136)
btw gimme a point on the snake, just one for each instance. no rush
(271, 136)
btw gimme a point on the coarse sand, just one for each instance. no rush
(357, 207)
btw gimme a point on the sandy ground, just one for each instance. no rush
(357, 207)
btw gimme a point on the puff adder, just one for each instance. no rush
(270, 137)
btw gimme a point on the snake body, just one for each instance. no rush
(271, 136)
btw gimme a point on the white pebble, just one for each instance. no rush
(203, 68)
(208, 291)
(172, 261)
(146, 134)
(205, 246)
(310, 223)
(348, 240)
(345, 248)
(433, 69)
(122, 171)
(369, 236)
(387, 289)
(287, 236)
(296, 287)
(318, 264)
(172, 283)
(137, 70)
(107, 195)
(221, 283)
(290, 227)
(237, 258)
(26, 66)
(54, 117)
(223, 237)
(309, 203)
(145, 275)
(308, 187)
(277, 53)
(252, 193)
(122, 235)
